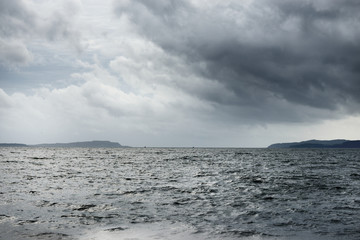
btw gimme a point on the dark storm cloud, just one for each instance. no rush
(303, 53)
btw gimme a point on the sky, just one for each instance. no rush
(180, 73)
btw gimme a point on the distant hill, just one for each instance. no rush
(338, 143)
(88, 144)
(12, 145)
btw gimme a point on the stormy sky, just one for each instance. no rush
(183, 73)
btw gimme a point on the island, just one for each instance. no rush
(12, 145)
(86, 144)
(337, 143)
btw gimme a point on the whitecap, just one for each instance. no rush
(153, 231)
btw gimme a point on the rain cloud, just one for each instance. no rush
(272, 57)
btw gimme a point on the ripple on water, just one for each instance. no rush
(179, 194)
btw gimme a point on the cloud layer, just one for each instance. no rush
(24, 21)
(179, 73)
(264, 52)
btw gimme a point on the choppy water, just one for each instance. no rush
(179, 194)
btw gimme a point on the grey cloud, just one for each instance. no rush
(305, 53)
(15, 18)
(13, 54)
(163, 7)
(60, 27)
(20, 23)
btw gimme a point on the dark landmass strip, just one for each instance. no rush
(88, 144)
(338, 143)
(13, 145)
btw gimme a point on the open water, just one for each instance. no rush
(167, 193)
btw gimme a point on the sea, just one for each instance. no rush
(179, 193)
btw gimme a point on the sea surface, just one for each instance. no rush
(179, 193)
